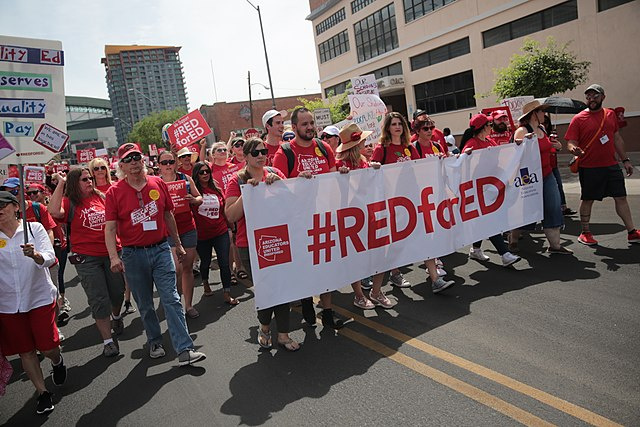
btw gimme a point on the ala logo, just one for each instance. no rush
(525, 178)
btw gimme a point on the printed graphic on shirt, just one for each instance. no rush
(145, 213)
(210, 206)
(310, 163)
(93, 219)
(403, 156)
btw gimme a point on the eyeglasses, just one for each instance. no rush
(33, 193)
(184, 155)
(238, 144)
(14, 191)
(221, 150)
(256, 153)
(204, 172)
(86, 178)
(99, 168)
(136, 157)
(428, 127)
(167, 162)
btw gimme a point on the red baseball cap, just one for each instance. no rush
(478, 121)
(498, 113)
(125, 149)
(36, 186)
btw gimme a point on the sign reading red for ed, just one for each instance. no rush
(188, 129)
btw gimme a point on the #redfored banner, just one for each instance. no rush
(178, 191)
(86, 155)
(188, 130)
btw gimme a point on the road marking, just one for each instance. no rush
(544, 397)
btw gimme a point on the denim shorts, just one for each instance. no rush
(552, 209)
(188, 239)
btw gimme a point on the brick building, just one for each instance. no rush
(224, 117)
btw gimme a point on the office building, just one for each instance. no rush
(141, 80)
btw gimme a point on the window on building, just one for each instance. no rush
(608, 4)
(446, 94)
(414, 9)
(335, 46)
(440, 54)
(389, 70)
(547, 18)
(330, 21)
(376, 34)
(336, 89)
(356, 5)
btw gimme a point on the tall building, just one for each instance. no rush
(440, 55)
(142, 80)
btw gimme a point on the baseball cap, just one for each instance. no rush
(125, 149)
(288, 135)
(418, 113)
(271, 114)
(11, 182)
(330, 130)
(7, 197)
(36, 186)
(595, 87)
(498, 113)
(478, 121)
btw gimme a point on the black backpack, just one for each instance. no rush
(291, 159)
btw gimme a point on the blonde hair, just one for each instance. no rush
(352, 155)
(385, 138)
(99, 161)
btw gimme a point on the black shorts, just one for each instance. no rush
(598, 183)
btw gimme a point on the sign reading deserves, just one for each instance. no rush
(351, 226)
(188, 130)
(32, 87)
(178, 191)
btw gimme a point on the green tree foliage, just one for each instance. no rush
(338, 105)
(541, 71)
(149, 130)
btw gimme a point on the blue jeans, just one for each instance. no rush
(556, 173)
(221, 245)
(144, 267)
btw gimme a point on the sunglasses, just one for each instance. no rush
(99, 168)
(327, 136)
(132, 158)
(428, 128)
(238, 144)
(86, 178)
(33, 193)
(184, 155)
(204, 172)
(167, 162)
(14, 191)
(256, 153)
(288, 138)
(221, 150)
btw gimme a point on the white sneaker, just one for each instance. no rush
(156, 350)
(477, 254)
(399, 281)
(189, 357)
(508, 258)
(440, 285)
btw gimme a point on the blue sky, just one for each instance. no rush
(226, 32)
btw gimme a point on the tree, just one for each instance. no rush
(541, 71)
(338, 105)
(149, 130)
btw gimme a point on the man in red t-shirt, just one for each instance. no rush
(273, 123)
(311, 156)
(139, 207)
(500, 132)
(593, 136)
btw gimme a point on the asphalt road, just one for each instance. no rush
(554, 340)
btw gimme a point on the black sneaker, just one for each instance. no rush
(44, 403)
(117, 326)
(308, 312)
(59, 373)
(329, 321)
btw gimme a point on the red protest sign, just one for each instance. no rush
(60, 167)
(251, 133)
(188, 129)
(86, 155)
(178, 191)
(34, 175)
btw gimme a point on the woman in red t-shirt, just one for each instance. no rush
(212, 227)
(186, 228)
(255, 153)
(83, 207)
(235, 151)
(100, 172)
(530, 126)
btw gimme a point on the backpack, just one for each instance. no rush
(36, 211)
(286, 149)
(72, 211)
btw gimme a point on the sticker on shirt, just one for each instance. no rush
(3, 243)
(310, 163)
(154, 195)
(145, 213)
(93, 219)
(403, 156)
(210, 207)
(604, 139)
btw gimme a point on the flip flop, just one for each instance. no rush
(242, 275)
(289, 345)
(232, 301)
(192, 313)
(234, 281)
(264, 339)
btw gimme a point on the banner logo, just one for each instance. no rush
(273, 245)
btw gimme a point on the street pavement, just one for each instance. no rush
(552, 341)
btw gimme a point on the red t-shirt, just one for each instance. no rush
(501, 138)
(104, 188)
(434, 148)
(272, 152)
(544, 144)
(188, 172)
(478, 144)
(234, 191)
(209, 216)
(87, 226)
(222, 174)
(46, 219)
(394, 154)
(583, 126)
(235, 161)
(139, 214)
(305, 159)
(363, 164)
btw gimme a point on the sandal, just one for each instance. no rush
(289, 345)
(242, 275)
(229, 299)
(192, 313)
(264, 338)
(207, 290)
(234, 281)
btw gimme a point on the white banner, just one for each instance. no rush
(324, 233)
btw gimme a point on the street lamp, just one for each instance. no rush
(266, 57)
(250, 99)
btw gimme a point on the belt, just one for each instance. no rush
(153, 245)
